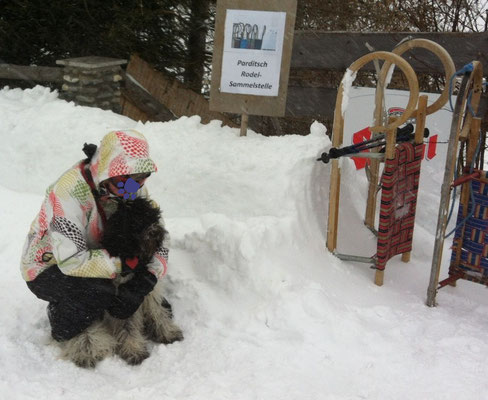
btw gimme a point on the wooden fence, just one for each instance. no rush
(31, 73)
(315, 52)
(151, 95)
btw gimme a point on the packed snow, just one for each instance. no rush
(266, 311)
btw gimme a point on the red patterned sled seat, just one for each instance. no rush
(400, 184)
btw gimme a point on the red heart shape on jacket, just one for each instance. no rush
(132, 262)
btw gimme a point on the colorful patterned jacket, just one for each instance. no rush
(68, 229)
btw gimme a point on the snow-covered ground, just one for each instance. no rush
(267, 313)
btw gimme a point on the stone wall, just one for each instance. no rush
(92, 81)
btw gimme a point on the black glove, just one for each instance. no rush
(131, 294)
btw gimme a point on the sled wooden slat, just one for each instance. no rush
(474, 139)
(421, 116)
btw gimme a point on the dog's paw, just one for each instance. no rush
(89, 347)
(85, 359)
(175, 336)
(169, 334)
(135, 358)
(87, 363)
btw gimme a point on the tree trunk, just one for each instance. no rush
(196, 44)
(456, 16)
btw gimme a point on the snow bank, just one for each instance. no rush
(267, 313)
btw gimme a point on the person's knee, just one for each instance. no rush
(69, 320)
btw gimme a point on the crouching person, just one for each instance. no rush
(101, 301)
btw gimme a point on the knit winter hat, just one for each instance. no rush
(121, 153)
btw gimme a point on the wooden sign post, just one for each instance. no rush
(251, 59)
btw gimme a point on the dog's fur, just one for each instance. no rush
(133, 230)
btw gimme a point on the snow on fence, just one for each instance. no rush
(89, 81)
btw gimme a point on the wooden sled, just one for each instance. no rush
(388, 129)
(465, 130)
(394, 234)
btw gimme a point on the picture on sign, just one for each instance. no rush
(245, 36)
(253, 43)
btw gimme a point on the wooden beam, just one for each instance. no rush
(337, 50)
(244, 123)
(319, 102)
(140, 97)
(31, 73)
(173, 94)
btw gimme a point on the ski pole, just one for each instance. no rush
(403, 135)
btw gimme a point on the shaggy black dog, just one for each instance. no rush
(134, 233)
(134, 230)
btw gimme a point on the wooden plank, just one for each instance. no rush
(335, 174)
(420, 120)
(379, 277)
(180, 100)
(333, 217)
(129, 109)
(473, 143)
(31, 73)
(337, 50)
(374, 165)
(244, 123)
(141, 98)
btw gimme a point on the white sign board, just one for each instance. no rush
(359, 115)
(253, 46)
